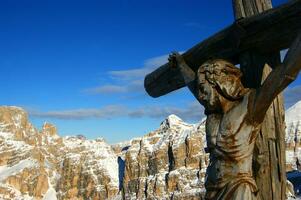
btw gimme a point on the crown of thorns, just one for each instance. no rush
(216, 68)
(225, 77)
(219, 66)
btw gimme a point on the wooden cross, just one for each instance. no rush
(254, 39)
(265, 33)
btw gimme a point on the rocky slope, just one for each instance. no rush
(41, 165)
(168, 163)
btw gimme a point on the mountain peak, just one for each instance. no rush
(293, 114)
(49, 129)
(16, 108)
(12, 114)
(174, 118)
(14, 122)
(172, 156)
(171, 120)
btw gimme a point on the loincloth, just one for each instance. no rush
(242, 187)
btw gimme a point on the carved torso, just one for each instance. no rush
(230, 139)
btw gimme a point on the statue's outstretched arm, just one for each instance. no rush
(278, 80)
(178, 63)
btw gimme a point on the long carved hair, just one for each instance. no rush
(225, 77)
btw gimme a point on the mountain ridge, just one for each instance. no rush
(169, 162)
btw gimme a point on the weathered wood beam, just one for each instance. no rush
(247, 8)
(269, 151)
(264, 33)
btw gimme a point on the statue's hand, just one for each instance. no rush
(175, 60)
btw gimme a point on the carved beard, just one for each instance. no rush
(209, 97)
(213, 106)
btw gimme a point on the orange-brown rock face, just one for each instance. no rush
(42, 165)
(168, 163)
(89, 170)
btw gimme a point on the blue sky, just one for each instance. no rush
(81, 64)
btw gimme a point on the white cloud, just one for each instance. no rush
(130, 74)
(192, 111)
(82, 113)
(130, 86)
(155, 62)
(107, 89)
(131, 80)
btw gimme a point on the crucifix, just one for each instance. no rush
(245, 114)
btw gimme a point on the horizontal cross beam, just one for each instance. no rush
(265, 33)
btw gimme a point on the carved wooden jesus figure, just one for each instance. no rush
(234, 117)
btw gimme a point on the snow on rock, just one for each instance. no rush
(293, 136)
(50, 194)
(293, 114)
(173, 121)
(10, 193)
(41, 165)
(6, 171)
(96, 152)
(168, 162)
(74, 167)
(293, 123)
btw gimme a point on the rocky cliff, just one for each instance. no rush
(41, 165)
(168, 163)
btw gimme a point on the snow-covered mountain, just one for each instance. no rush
(293, 119)
(41, 165)
(293, 114)
(167, 163)
(293, 136)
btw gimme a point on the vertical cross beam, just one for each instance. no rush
(269, 152)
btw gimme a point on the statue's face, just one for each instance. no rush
(207, 94)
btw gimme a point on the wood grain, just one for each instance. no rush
(269, 152)
(264, 33)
